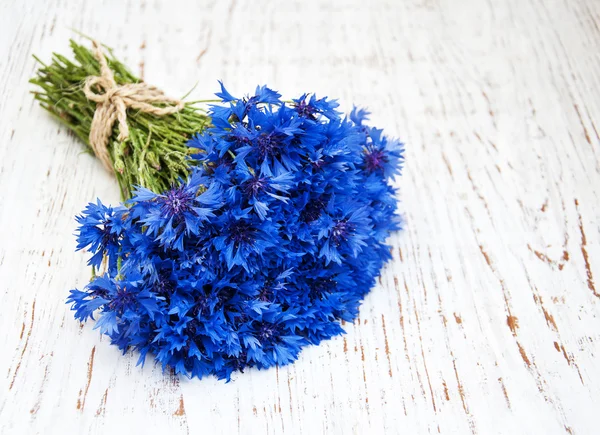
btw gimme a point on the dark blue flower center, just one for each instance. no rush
(312, 210)
(268, 144)
(201, 306)
(269, 331)
(122, 299)
(305, 110)
(341, 231)
(255, 185)
(375, 159)
(163, 286)
(241, 232)
(177, 200)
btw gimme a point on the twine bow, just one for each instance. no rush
(112, 105)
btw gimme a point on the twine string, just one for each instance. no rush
(112, 102)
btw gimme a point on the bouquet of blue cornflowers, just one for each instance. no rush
(274, 236)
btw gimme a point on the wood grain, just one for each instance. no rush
(486, 321)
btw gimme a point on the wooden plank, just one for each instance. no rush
(486, 321)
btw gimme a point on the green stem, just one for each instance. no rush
(155, 155)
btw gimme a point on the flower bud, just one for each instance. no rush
(119, 165)
(152, 159)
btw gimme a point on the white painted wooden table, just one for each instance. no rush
(488, 318)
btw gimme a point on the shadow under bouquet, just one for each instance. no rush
(247, 231)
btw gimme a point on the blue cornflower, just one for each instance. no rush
(313, 107)
(243, 238)
(263, 188)
(380, 153)
(181, 210)
(118, 299)
(345, 230)
(99, 230)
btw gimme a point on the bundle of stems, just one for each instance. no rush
(154, 156)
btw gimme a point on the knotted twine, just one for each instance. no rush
(112, 105)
